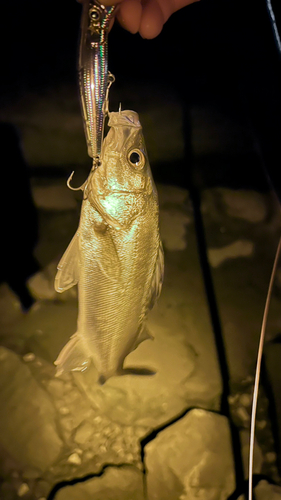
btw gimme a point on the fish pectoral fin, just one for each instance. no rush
(72, 357)
(68, 267)
(157, 279)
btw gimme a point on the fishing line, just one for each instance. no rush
(267, 303)
(274, 25)
(258, 369)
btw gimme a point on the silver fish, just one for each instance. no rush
(116, 256)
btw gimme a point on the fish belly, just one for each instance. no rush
(116, 270)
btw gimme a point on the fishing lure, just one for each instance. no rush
(94, 78)
(116, 255)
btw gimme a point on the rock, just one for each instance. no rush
(271, 457)
(42, 489)
(47, 327)
(64, 410)
(56, 388)
(239, 248)
(266, 491)
(122, 483)
(258, 457)
(241, 284)
(191, 459)
(150, 400)
(243, 417)
(74, 459)
(28, 357)
(7, 491)
(56, 197)
(245, 400)
(41, 285)
(173, 196)
(247, 205)
(27, 419)
(30, 473)
(272, 356)
(261, 424)
(23, 490)
(84, 431)
(173, 229)
(173, 218)
(10, 307)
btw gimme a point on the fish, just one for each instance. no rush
(116, 256)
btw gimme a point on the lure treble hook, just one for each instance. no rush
(73, 188)
(96, 164)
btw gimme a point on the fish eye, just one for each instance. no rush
(136, 158)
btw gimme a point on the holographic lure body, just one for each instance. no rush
(93, 71)
(116, 256)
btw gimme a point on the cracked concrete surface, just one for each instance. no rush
(122, 483)
(69, 437)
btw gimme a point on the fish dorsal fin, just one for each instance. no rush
(68, 267)
(157, 279)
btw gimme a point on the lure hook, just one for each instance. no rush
(110, 81)
(96, 164)
(73, 188)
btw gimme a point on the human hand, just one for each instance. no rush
(145, 16)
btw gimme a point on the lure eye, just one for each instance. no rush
(95, 15)
(136, 158)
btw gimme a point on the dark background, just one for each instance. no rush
(218, 51)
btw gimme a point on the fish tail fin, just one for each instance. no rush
(72, 357)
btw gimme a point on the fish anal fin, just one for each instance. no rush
(68, 267)
(72, 357)
(143, 334)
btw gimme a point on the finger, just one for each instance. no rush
(168, 7)
(129, 15)
(152, 20)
